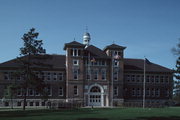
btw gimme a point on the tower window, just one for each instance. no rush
(75, 90)
(76, 62)
(75, 52)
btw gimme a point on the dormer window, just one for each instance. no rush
(75, 52)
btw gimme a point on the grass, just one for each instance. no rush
(172, 113)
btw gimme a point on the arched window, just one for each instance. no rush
(95, 89)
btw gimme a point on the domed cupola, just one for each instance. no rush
(86, 38)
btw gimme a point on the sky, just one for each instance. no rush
(149, 28)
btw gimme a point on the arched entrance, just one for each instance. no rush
(95, 97)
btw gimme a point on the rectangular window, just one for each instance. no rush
(162, 79)
(115, 75)
(31, 103)
(37, 93)
(128, 78)
(157, 79)
(116, 63)
(133, 78)
(75, 74)
(137, 78)
(60, 91)
(30, 92)
(148, 92)
(48, 90)
(138, 92)
(37, 103)
(54, 76)
(166, 79)
(157, 92)
(133, 92)
(18, 103)
(152, 79)
(6, 76)
(147, 78)
(152, 92)
(75, 62)
(48, 76)
(60, 76)
(115, 91)
(103, 73)
(75, 90)
(19, 92)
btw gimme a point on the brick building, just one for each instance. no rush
(93, 77)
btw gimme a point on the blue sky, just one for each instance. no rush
(146, 27)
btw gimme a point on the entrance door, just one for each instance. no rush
(95, 96)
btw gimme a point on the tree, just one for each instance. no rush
(176, 52)
(31, 49)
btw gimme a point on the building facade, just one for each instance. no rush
(92, 77)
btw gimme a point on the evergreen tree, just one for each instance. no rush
(30, 53)
(176, 51)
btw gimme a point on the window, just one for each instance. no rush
(103, 73)
(37, 93)
(75, 90)
(48, 91)
(133, 78)
(75, 62)
(147, 92)
(157, 79)
(103, 63)
(162, 79)
(115, 75)
(166, 79)
(147, 78)
(60, 91)
(138, 92)
(152, 79)
(128, 78)
(116, 63)
(43, 104)
(60, 76)
(54, 76)
(30, 92)
(75, 74)
(6, 76)
(37, 103)
(31, 103)
(19, 92)
(137, 78)
(133, 92)
(152, 92)
(95, 74)
(115, 91)
(48, 76)
(157, 92)
(75, 52)
(18, 103)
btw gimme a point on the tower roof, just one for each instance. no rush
(114, 47)
(73, 44)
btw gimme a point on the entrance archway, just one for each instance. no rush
(95, 97)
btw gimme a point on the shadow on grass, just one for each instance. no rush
(157, 118)
(92, 119)
(27, 113)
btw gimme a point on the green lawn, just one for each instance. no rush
(172, 113)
